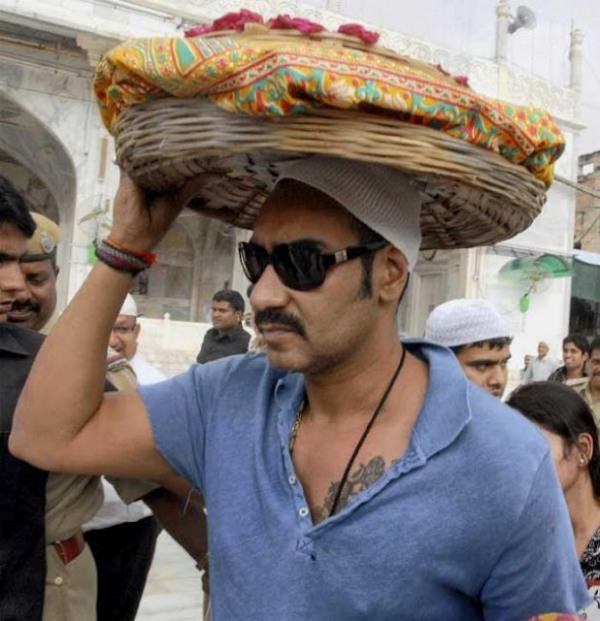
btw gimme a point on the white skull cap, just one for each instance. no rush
(464, 321)
(129, 307)
(379, 196)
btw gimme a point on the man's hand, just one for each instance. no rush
(140, 223)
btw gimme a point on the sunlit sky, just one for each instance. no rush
(469, 27)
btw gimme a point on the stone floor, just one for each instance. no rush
(173, 591)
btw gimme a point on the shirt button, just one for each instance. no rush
(58, 580)
(303, 512)
(292, 480)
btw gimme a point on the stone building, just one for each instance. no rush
(585, 293)
(52, 144)
(587, 207)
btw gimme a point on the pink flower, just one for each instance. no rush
(198, 30)
(229, 21)
(236, 21)
(356, 30)
(285, 22)
(463, 80)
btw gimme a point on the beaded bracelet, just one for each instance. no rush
(123, 260)
(147, 257)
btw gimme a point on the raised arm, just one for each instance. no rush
(64, 422)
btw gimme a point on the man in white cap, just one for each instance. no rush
(479, 337)
(347, 475)
(124, 340)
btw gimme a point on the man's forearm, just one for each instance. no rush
(65, 386)
(184, 519)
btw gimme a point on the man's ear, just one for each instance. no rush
(391, 274)
(137, 329)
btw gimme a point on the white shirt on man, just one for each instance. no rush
(145, 372)
(540, 369)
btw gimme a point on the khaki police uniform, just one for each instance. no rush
(72, 500)
(119, 372)
(586, 393)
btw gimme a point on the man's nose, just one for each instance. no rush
(496, 377)
(269, 291)
(13, 280)
(23, 296)
(113, 341)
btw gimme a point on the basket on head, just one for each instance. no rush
(235, 105)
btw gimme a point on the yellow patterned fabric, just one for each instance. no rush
(277, 76)
(557, 616)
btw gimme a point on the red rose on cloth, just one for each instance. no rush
(356, 30)
(200, 29)
(236, 21)
(285, 22)
(463, 80)
(229, 21)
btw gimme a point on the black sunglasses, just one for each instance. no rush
(300, 265)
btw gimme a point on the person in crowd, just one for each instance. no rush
(22, 487)
(123, 537)
(479, 337)
(591, 391)
(227, 337)
(567, 422)
(35, 306)
(527, 360)
(71, 589)
(124, 340)
(542, 366)
(71, 574)
(576, 351)
(307, 455)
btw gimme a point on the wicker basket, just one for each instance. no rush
(471, 196)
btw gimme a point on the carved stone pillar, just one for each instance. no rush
(503, 18)
(576, 74)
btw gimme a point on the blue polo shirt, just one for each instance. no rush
(469, 524)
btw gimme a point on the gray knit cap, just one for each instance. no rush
(464, 321)
(379, 196)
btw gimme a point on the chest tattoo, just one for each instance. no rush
(359, 480)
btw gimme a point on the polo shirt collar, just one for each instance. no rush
(446, 409)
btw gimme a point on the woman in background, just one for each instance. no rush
(567, 422)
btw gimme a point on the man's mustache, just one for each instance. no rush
(24, 306)
(273, 316)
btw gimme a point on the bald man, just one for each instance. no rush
(542, 366)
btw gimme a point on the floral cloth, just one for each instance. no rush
(556, 616)
(276, 76)
(590, 566)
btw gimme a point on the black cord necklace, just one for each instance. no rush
(362, 438)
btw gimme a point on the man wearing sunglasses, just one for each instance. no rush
(347, 475)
